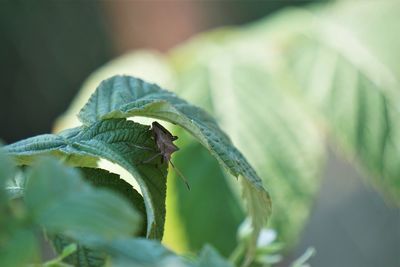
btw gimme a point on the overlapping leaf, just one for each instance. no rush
(124, 142)
(59, 200)
(84, 256)
(124, 96)
(138, 252)
(103, 179)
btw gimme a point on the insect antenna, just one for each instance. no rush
(151, 158)
(181, 175)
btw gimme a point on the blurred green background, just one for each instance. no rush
(49, 48)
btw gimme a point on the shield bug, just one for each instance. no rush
(164, 142)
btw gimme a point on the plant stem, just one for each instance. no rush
(237, 254)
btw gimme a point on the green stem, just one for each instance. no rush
(237, 254)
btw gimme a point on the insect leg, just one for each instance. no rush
(143, 147)
(151, 158)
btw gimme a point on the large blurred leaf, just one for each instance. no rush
(331, 57)
(135, 252)
(107, 180)
(346, 68)
(102, 179)
(60, 201)
(124, 142)
(138, 252)
(124, 96)
(18, 246)
(141, 252)
(343, 68)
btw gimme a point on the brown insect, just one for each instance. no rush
(164, 141)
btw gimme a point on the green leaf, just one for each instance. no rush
(85, 256)
(135, 252)
(220, 207)
(18, 246)
(123, 142)
(82, 256)
(130, 144)
(58, 199)
(140, 252)
(103, 179)
(123, 96)
(345, 70)
(209, 257)
(27, 150)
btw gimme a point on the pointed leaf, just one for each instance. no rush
(124, 96)
(27, 150)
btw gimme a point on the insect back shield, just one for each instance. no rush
(164, 142)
